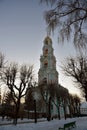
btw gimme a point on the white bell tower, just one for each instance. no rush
(47, 69)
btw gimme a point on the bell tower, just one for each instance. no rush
(47, 71)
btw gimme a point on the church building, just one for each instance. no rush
(48, 73)
(50, 96)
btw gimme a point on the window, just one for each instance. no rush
(46, 63)
(46, 51)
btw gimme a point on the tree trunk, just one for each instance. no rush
(49, 110)
(64, 108)
(35, 111)
(70, 111)
(58, 108)
(17, 107)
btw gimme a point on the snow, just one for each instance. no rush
(81, 124)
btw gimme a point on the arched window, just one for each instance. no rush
(45, 63)
(46, 51)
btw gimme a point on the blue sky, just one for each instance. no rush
(22, 31)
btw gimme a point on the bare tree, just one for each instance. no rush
(0, 96)
(71, 105)
(70, 17)
(1, 60)
(18, 81)
(59, 93)
(7, 99)
(29, 101)
(77, 101)
(44, 95)
(6, 106)
(77, 69)
(2, 64)
(63, 96)
(74, 105)
(54, 94)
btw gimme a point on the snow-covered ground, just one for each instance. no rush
(81, 124)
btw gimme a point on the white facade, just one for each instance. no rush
(83, 108)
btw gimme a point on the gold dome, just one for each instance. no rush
(47, 40)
